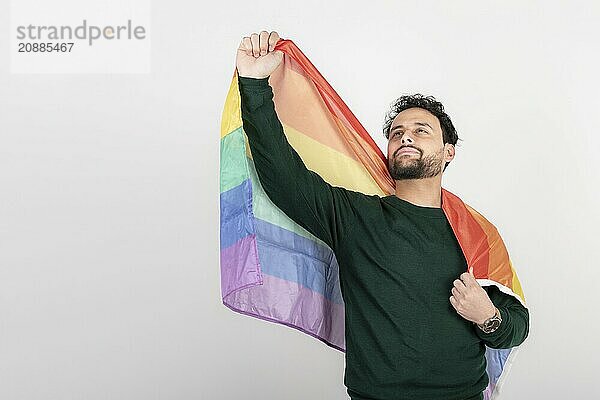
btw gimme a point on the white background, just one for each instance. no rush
(109, 273)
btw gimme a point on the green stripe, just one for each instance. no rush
(236, 167)
(264, 209)
(234, 164)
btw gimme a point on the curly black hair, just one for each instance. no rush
(428, 103)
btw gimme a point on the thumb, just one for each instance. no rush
(471, 271)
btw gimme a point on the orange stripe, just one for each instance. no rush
(471, 236)
(300, 106)
(499, 268)
(361, 142)
(480, 241)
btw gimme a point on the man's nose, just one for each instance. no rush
(407, 138)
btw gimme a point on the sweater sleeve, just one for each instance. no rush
(322, 209)
(513, 329)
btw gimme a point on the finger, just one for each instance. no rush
(468, 279)
(473, 279)
(459, 284)
(263, 42)
(255, 48)
(246, 45)
(457, 293)
(472, 273)
(273, 39)
(453, 302)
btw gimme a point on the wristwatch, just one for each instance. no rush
(491, 324)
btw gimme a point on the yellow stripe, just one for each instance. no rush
(334, 167)
(232, 113)
(516, 284)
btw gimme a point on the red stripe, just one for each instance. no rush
(470, 235)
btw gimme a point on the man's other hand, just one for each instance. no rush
(470, 300)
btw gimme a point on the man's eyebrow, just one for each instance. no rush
(416, 123)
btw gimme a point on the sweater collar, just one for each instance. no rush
(397, 202)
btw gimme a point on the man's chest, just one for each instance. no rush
(410, 254)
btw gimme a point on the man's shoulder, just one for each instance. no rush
(359, 196)
(360, 200)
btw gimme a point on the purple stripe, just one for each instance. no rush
(280, 301)
(489, 390)
(239, 266)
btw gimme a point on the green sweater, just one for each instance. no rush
(397, 263)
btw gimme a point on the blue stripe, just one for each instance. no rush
(287, 255)
(236, 214)
(496, 358)
(282, 253)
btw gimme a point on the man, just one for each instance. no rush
(416, 323)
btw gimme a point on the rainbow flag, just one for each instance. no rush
(273, 269)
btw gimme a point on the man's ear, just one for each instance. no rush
(449, 152)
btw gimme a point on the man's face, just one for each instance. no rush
(416, 147)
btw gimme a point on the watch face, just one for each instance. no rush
(492, 325)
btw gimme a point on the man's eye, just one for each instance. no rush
(421, 130)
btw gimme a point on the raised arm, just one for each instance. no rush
(322, 209)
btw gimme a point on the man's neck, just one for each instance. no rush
(421, 192)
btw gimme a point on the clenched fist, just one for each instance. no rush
(256, 57)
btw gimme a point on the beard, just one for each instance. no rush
(416, 168)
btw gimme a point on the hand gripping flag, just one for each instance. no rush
(264, 254)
